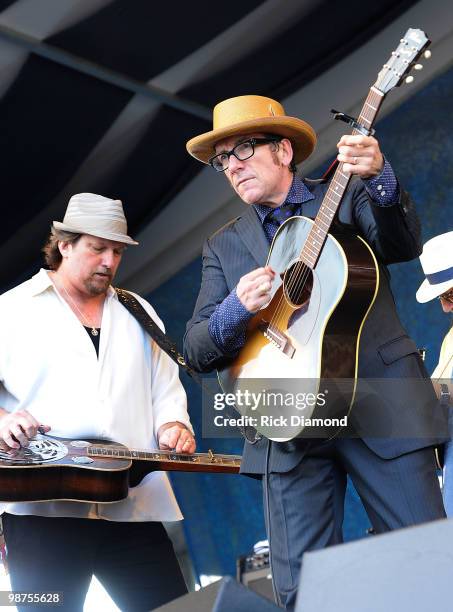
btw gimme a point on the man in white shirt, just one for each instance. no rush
(75, 363)
(437, 263)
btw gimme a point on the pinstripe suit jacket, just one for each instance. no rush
(386, 351)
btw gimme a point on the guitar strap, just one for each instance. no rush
(131, 304)
(161, 339)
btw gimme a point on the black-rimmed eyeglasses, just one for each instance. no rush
(241, 151)
(447, 296)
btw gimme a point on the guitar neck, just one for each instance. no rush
(334, 194)
(170, 461)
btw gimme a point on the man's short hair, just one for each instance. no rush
(292, 165)
(51, 251)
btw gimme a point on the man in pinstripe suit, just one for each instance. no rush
(256, 145)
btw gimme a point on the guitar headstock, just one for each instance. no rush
(402, 60)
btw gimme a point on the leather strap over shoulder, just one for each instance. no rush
(131, 304)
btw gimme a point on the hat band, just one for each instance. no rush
(440, 277)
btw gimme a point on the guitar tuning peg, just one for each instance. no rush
(418, 67)
(427, 54)
(409, 79)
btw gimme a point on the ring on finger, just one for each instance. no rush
(262, 288)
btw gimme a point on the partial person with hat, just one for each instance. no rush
(256, 146)
(437, 264)
(75, 363)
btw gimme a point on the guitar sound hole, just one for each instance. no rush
(298, 284)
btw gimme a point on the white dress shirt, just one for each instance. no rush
(444, 369)
(49, 366)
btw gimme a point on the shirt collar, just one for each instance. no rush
(41, 281)
(298, 194)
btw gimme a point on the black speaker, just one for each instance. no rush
(197, 601)
(235, 596)
(408, 570)
(222, 596)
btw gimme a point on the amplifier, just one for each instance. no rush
(253, 571)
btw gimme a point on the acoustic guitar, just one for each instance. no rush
(300, 360)
(100, 471)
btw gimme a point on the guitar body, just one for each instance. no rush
(98, 471)
(306, 340)
(54, 468)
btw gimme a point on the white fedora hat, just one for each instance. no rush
(437, 264)
(89, 213)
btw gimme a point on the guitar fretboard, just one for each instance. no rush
(159, 456)
(318, 233)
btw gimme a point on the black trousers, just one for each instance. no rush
(135, 562)
(307, 503)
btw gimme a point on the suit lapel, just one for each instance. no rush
(311, 207)
(251, 232)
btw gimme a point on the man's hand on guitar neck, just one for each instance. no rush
(175, 436)
(361, 155)
(18, 428)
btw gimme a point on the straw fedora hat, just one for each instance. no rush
(89, 213)
(437, 263)
(248, 114)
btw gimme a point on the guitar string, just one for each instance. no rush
(112, 448)
(294, 285)
(330, 194)
(301, 271)
(295, 282)
(372, 102)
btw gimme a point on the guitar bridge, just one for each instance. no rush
(278, 338)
